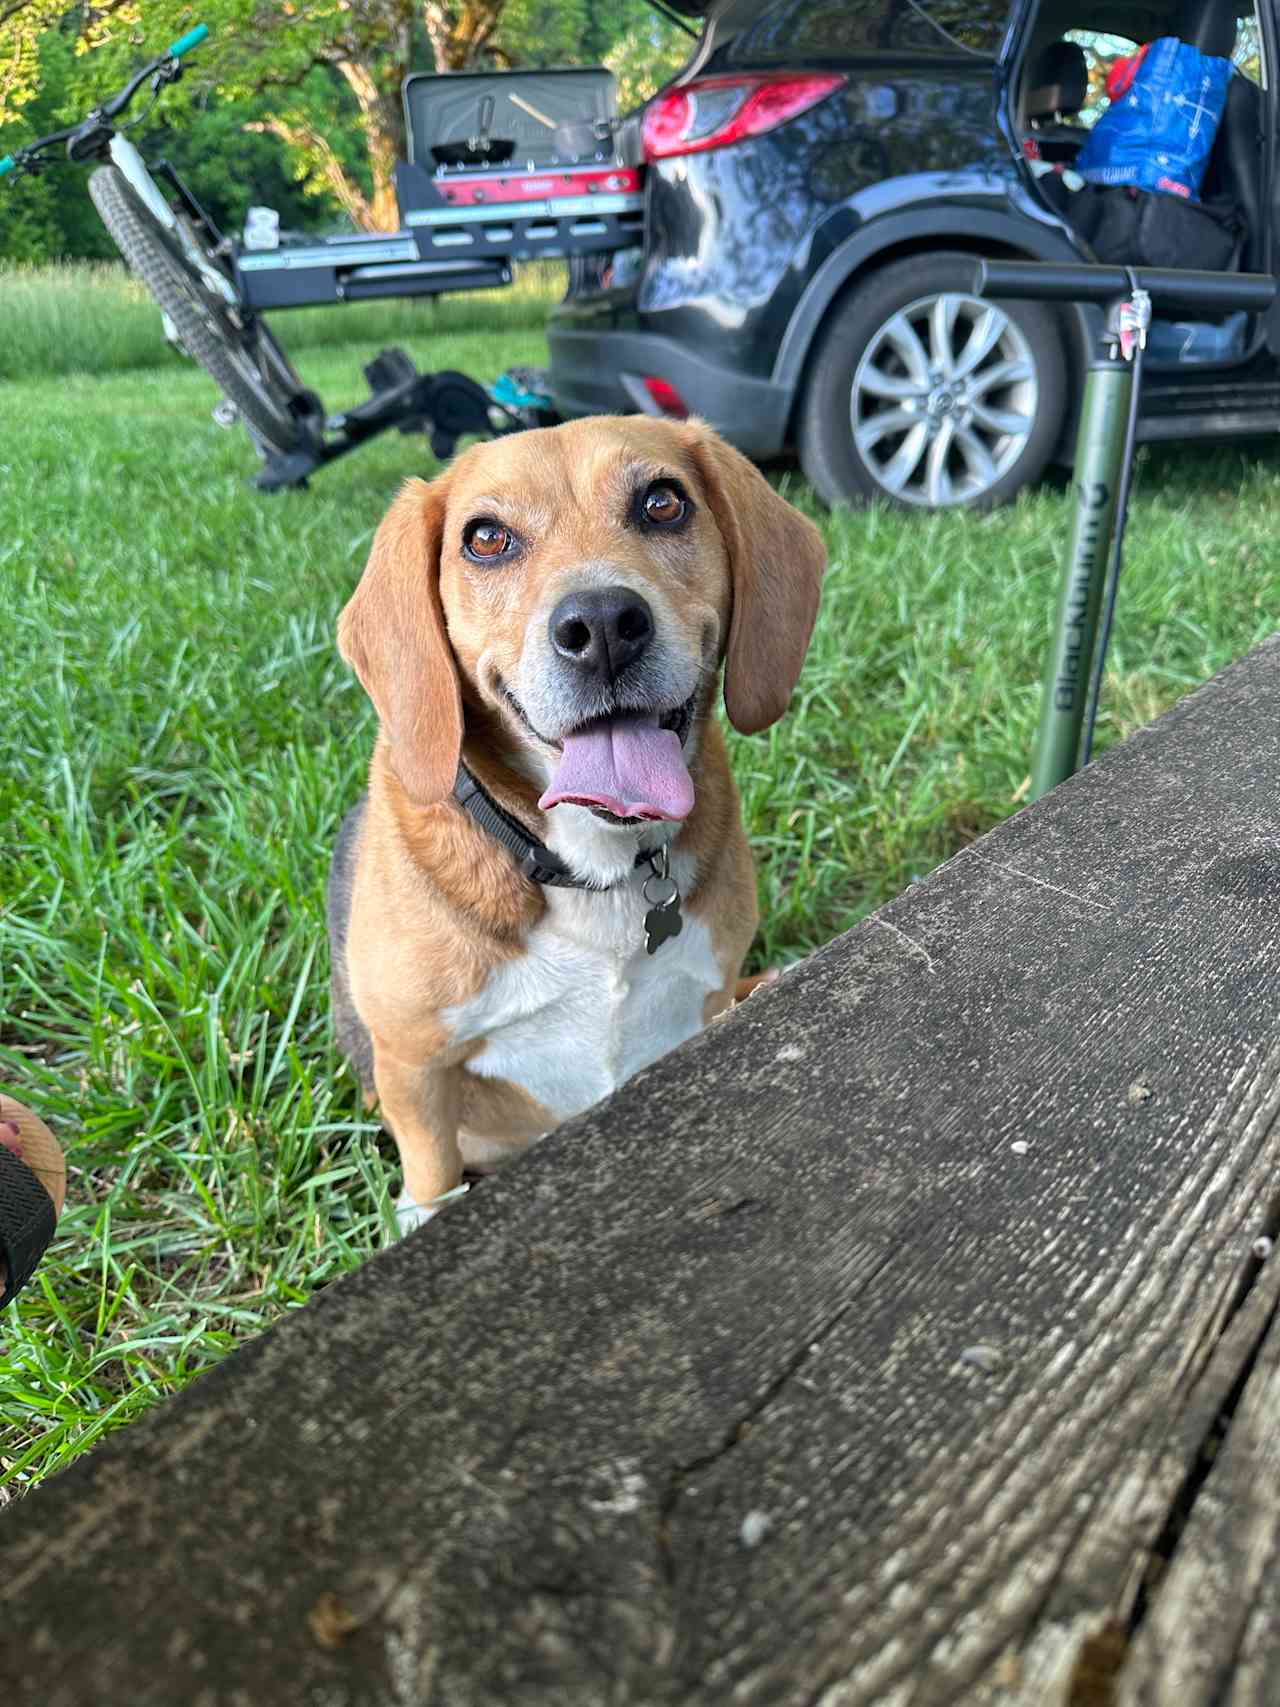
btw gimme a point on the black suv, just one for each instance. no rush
(820, 175)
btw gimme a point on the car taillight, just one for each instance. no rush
(713, 111)
(666, 396)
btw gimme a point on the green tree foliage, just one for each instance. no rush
(644, 57)
(24, 26)
(29, 229)
(641, 48)
(228, 162)
(46, 218)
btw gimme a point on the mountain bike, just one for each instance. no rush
(181, 257)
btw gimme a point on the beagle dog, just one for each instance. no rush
(547, 884)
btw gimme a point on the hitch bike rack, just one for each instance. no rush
(446, 406)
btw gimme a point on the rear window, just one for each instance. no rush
(839, 29)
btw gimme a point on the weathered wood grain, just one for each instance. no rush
(1210, 1636)
(865, 1351)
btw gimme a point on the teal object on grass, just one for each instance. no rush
(510, 392)
(193, 38)
(7, 164)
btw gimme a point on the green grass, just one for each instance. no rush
(178, 741)
(94, 318)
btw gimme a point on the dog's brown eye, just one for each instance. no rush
(487, 540)
(664, 505)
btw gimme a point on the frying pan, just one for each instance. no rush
(481, 150)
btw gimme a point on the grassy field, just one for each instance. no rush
(178, 741)
(94, 318)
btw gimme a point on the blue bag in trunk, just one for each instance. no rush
(1159, 134)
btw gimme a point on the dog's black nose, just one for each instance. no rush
(602, 630)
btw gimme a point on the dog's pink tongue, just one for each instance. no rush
(627, 765)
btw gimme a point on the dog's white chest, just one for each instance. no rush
(586, 1006)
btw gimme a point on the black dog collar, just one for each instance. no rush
(535, 859)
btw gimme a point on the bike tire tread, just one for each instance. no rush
(130, 227)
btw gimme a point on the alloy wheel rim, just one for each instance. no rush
(943, 400)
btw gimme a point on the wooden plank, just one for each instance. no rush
(861, 1352)
(1210, 1635)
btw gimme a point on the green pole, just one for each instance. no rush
(1099, 456)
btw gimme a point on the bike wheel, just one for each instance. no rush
(243, 359)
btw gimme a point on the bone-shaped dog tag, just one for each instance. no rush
(662, 923)
(663, 920)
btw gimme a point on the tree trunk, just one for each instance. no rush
(459, 36)
(382, 121)
(369, 213)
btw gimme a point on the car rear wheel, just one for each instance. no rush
(924, 395)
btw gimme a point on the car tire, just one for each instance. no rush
(923, 395)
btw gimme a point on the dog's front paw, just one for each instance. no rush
(748, 986)
(410, 1213)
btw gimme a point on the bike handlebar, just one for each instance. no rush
(184, 44)
(116, 105)
(1168, 287)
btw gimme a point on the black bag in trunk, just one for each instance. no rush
(1142, 228)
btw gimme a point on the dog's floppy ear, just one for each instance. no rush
(776, 559)
(393, 635)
